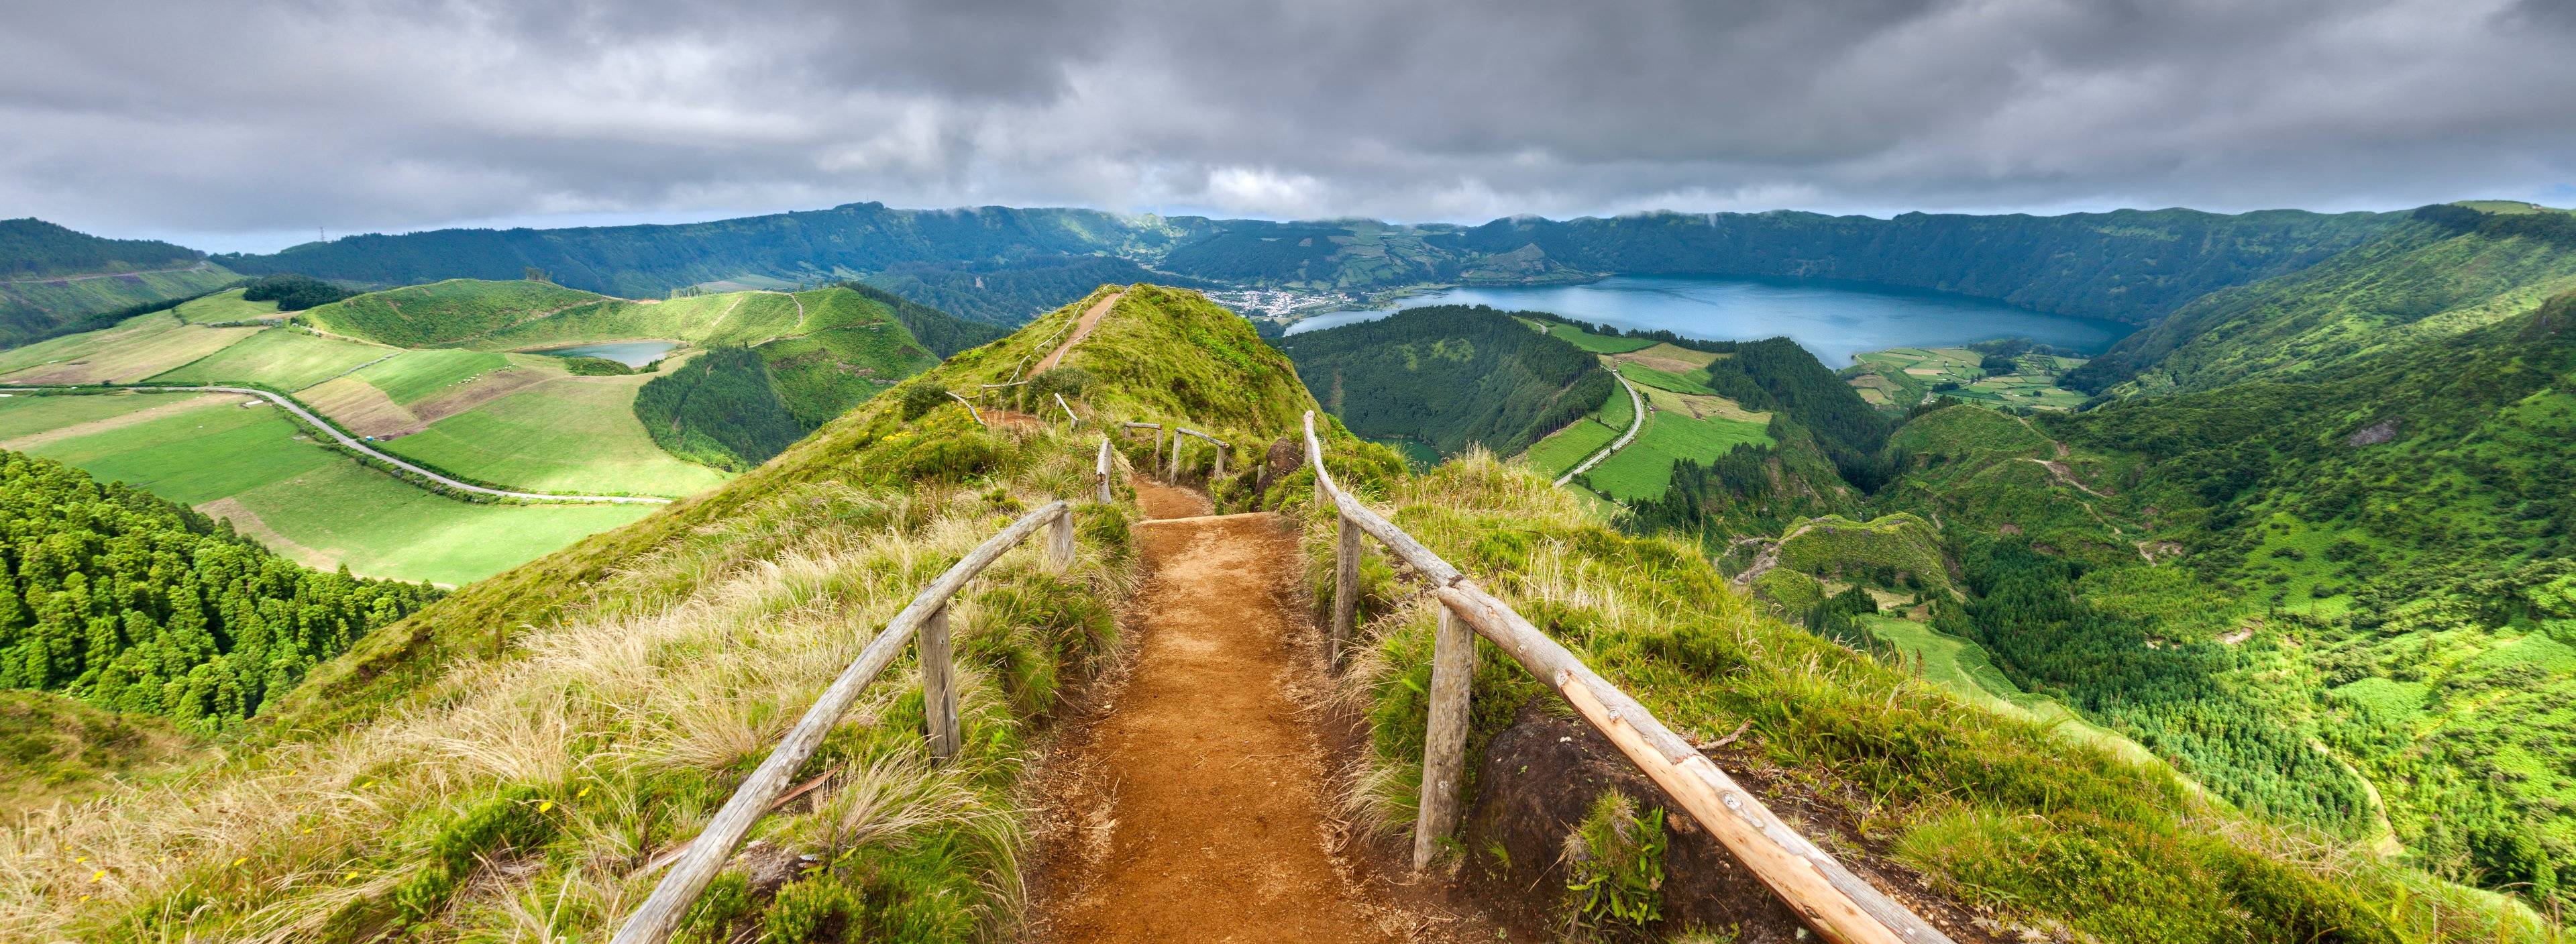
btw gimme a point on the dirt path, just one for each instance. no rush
(1081, 329)
(1200, 802)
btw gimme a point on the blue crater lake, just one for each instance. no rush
(629, 353)
(1832, 320)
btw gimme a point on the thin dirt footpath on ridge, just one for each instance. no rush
(1195, 805)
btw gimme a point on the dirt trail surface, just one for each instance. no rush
(1200, 807)
(355, 445)
(1081, 329)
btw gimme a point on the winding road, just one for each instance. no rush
(1636, 422)
(346, 440)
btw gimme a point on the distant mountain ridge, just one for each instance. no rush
(55, 280)
(2130, 265)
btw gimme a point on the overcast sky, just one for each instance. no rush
(247, 125)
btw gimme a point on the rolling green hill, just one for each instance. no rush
(56, 281)
(1452, 377)
(2444, 270)
(441, 313)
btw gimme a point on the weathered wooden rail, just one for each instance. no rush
(925, 618)
(1828, 897)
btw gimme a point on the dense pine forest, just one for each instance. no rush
(135, 604)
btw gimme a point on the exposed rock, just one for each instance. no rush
(2373, 434)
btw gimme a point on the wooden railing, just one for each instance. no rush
(926, 618)
(1828, 897)
(1172, 471)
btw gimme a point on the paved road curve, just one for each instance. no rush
(1635, 423)
(345, 440)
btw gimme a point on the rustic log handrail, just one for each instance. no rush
(926, 617)
(1221, 447)
(1070, 420)
(1839, 905)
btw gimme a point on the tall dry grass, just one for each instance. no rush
(604, 737)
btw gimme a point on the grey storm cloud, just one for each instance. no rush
(270, 117)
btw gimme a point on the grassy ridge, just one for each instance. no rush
(702, 626)
(1997, 809)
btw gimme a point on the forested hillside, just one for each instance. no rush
(56, 281)
(2130, 265)
(31, 247)
(1010, 293)
(2445, 269)
(1450, 377)
(135, 604)
(2288, 587)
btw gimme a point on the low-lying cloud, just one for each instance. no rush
(235, 124)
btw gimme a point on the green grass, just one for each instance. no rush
(193, 457)
(413, 376)
(567, 435)
(22, 413)
(324, 502)
(28, 309)
(442, 313)
(134, 349)
(733, 318)
(1597, 343)
(1664, 380)
(279, 358)
(54, 749)
(381, 526)
(1565, 448)
(224, 306)
(1645, 467)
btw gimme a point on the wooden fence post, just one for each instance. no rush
(1173, 472)
(1100, 474)
(1059, 545)
(1346, 586)
(939, 685)
(1444, 749)
(1220, 464)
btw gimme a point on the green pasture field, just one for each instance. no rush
(1645, 467)
(442, 313)
(1665, 380)
(572, 434)
(224, 306)
(280, 358)
(323, 502)
(23, 414)
(744, 318)
(416, 375)
(135, 348)
(1563, 449)
(381, 526)
(1598, 344)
